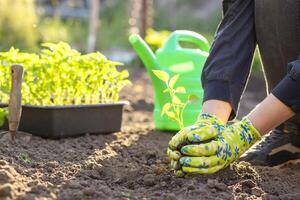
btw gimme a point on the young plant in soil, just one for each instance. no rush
(174, 110)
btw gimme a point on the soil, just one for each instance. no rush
(127, 165)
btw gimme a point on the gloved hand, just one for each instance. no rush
(208, 158)
(207, 127)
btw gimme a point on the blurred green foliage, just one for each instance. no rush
(18, 21)
(24, 29)
(182, 15)
(54, 30)
(73, 31)
(113, 30)
(156, 39)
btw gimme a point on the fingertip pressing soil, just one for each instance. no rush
(131, 164)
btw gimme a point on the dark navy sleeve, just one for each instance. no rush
(228, 66)
(288, 89)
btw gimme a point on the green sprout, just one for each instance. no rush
(60, 75)
(126, 194)
(24, 157)
(174, 109)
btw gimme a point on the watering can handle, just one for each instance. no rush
(187, 36)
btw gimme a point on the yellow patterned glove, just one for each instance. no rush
(208, 158)
(206, 128)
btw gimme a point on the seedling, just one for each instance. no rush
(60, 75)
(174, 110)
(24, 157)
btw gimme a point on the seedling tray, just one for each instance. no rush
(69, 121)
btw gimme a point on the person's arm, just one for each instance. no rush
(270, 113)
(220, 109)
(282, 104)
(235, 139)
(227, 68)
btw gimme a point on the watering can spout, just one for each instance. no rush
(144, 52)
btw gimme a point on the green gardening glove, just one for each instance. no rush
(207, 127)
(217, 154)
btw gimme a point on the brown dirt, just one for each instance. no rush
(127, 165)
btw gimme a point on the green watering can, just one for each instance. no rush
(175, 59)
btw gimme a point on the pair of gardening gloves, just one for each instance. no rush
(210, 145)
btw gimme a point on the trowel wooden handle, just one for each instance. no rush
(14, 107)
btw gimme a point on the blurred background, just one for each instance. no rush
(26, 23)
(103, 25)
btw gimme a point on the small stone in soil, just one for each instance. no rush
(170, 196)
(5, 176)
(73, 185)
(88, 191)
(213, 183)
(163, 184)
(149, 180)
(247, 184)
(84, 183)
(3, 162)
(6, 190)
(257, 191)
(191, 187)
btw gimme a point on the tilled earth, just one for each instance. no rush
(127, 165)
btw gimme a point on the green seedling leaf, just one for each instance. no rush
(162, 75)
(180, 90)
(171, 115)
(126, 194)
(24, 157)
(192, 98)
(165, 108)
(176, 100)
(166, 90)
(173, 81)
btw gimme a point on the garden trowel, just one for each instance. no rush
(15, 105)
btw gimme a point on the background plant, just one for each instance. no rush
(60, 75)
(18, 21)
(175, 108)
(156, 39)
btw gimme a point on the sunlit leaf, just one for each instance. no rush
(171, 115)
(164, 76)
(165, 108)
(173, 81)
(176, 100)
(180, 90)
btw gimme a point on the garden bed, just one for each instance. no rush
(127, 165)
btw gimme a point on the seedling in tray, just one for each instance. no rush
(60, 80)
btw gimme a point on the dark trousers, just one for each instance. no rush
(277, 24)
